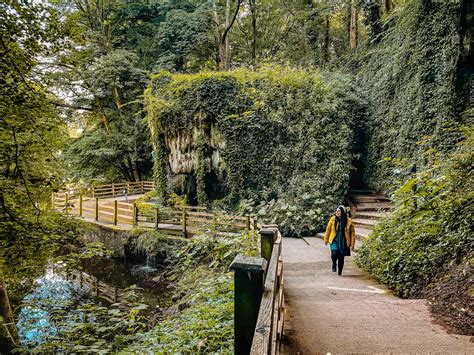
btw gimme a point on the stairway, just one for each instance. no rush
(367, 208)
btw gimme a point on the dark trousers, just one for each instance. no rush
(336, 255)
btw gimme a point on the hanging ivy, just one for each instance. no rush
(410, 80)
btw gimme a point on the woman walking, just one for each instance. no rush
(340, 234)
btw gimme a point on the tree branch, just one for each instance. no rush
(224, 35)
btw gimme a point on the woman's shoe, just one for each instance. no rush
(334, 268)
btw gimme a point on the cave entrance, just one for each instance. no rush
(359, 152)
(356, 177)
(214, 187)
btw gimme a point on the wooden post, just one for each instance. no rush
(157, 217)
(247, 222)
(267, 240)
(115, 212)
(66, 197)
(135, 215)
(248, 288)
(113, 189)
(128, 187)
(255, 225)
(80, 204)
(53, 200)
(141, 187)
(183, 221)
(96, 208)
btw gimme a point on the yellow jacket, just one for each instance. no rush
(349, 232)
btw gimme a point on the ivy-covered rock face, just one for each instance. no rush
(276, 141)
(414, 82)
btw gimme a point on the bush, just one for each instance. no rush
(431, 227)
(206, 298)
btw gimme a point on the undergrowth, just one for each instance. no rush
(202, 318)
(431, 227)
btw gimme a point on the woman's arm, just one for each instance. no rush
(328, 231)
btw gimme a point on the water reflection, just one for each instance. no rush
(52, 306)
(52, 293)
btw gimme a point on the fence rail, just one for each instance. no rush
(259, 298)
(106, 191)
(97, 203)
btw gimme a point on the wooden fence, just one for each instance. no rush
(121, 189)
(98, 205)
(259, 298)
(103, 191)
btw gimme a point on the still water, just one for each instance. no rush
(55, 302)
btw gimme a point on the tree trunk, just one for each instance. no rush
(224, 43)
(228, 3)
(253, 10)
(132, 169)
(353, 26)
(136, 171)
(326, 41)
(8, 332)
(372, 17)
(388, 5)
(125, 172)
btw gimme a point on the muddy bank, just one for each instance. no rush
(451, 299)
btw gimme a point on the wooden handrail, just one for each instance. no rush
(267, 335)
(109, 190)
(259, 302)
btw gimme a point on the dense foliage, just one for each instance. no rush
(32, 134)
(205, 297)
(431, 227)
(284, 138)
(279, 143)
(412, 79)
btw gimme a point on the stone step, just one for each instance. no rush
(361, 192)
(364, 223)
(379, 206)
(370, 215)
(362, 233)
(369, 198)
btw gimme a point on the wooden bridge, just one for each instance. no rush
(118, 205)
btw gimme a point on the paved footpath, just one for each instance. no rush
(352, 313)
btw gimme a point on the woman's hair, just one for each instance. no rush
(343, 214)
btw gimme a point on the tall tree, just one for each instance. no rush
(32, 134)
(223, 28)
(353, 31)
(253, 12)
